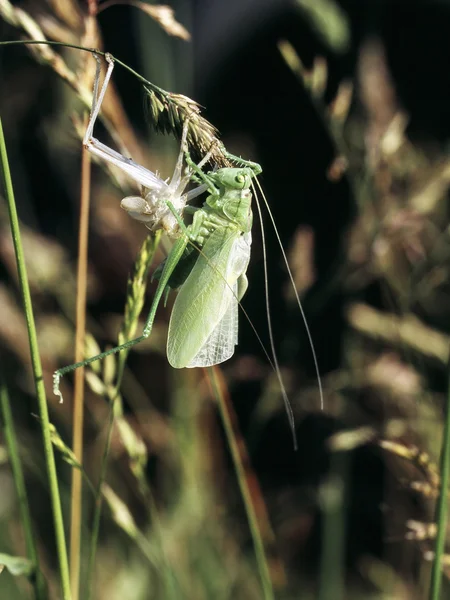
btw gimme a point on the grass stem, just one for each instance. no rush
(244, 473)
(19, 481)
(78, 402)
(442, 507)
(37, 373)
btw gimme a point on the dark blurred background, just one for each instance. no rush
(359, 196)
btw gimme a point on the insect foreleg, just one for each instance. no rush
(200, 228)
(179, 183)
(255, 167)
(199, 174)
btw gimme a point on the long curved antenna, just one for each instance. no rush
(308, 332)
(287, 403)
(272, 360)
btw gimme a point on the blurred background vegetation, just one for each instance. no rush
(345, 105)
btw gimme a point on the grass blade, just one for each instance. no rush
(442, 508)
(261, 531)
(19, 481)
(37, 372)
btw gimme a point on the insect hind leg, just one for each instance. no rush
(98, 97)
(171, 262)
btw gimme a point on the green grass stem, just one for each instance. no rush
(135, 300)
(39, 583)
(237, 452)
(442, 507)
(37, 372)
(331, 584)
(98, 506)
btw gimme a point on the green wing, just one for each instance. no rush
(203, 325)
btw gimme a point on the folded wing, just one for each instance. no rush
(204, 322)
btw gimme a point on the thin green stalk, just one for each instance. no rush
(83, 49)
(98, 504)
(236, 453)
(37, 373)
(136, 288)
(135, 301)
(331, 584)
(160, 562)
(442, 508)
(39, 584)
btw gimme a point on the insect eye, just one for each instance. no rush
(240, 178)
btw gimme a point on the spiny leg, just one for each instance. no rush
(192, 166)
(255, 167)
(197, 170)
(98, 68)
(137, 172)
(180, 183)
(208, 155)
(171, 262)
(97, 100)
(203, 186)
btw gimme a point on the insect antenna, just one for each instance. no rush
(299, 304)
(287, 403)
(272, 360)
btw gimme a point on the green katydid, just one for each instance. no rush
(204, 322)
(221, 229)
(208, 260)
(203, 325)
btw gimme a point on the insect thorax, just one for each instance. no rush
(231, 207)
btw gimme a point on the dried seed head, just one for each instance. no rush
(170, 111)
